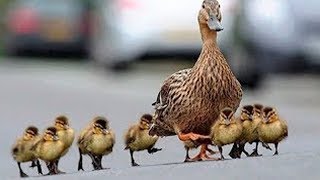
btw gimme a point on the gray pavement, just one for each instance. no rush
(34, 92)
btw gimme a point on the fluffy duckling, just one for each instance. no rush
(272, 129)
(246, 116)
(256, 121)
(137, 138)
(64, 132)
(49, 149)
(96, 140)
(226, 130)
(22, 149)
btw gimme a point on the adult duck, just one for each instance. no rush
(190, 101)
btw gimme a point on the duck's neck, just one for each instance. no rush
(207, 35)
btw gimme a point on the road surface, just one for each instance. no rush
(34, 92)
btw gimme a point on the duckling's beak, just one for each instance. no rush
(228, 122)
(250, 117)
(66, 126)
(55, 137)
(214, 24)
(105, 131)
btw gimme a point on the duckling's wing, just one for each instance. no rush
(162, 97)
(130, 136)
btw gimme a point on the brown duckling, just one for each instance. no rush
(49, 149)
(96, 140)
(137, 138)
(226, 130)
(188, 108)
(272, 129)
(22, 149)
(65, 133)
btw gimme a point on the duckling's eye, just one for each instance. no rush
(203, 6)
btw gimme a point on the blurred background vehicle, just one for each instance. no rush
(126, 30)
(281, 35)
(46, 26)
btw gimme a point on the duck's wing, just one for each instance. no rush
(175, 78)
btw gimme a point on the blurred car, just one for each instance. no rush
(129, 29)
(281, 34)
(46, 26)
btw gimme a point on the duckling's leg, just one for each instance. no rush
(234, 151)
(80, 167)
(153, 150)
(99, 160)
(242, 150)
(22, 174)
(187, 159)
(33, 164)
(211, 151)
(276, 147)
(95, 162)
(39, 166)
(220, 150)
(202, 156)
(51, 168)
(266, 145)
(255, 151)
(58, 170)
(133, 163)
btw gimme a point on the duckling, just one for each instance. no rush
(189, 107)
(65, 134)
(256, 121)
(246, 116)
(22, 149)
(272, 129)
(226, 130)
(137, 138)
(96, 140)
(49, 149)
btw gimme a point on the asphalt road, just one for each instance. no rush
(34, 92)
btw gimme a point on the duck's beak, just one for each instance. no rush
(214, 23)
(55, 137)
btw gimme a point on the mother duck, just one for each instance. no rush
(190, 100)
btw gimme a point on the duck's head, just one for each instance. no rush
(100, 125)
(210, 15)
(145, 121)
(226, 116)
(269, 115)
(257, 108)
(50, 134)
(30, 133)
(246, 112)
(61, 123)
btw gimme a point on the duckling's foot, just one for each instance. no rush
(154, 150)
(134, 164)
(33, 164)
(22, 174)
(255, 153)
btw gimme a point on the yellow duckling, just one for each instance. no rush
(137, 138)
(49, 149)
(22, 149)
(272, 129)
(226, 130)
(96, 140)
(65, 133)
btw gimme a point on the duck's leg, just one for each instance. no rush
(133, 163)
(202, 156)
(234, 151)
(58, 170)
(242, 150)
(255, 151)
(276, 147)
(187, 159)
(193, 137)
(80, 167)
(220, 150)
(153, 150)
(33, 164)
(22, 174)
(95, 164)
(39, 167)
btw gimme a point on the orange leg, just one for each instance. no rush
(192, 136)
(202, 156)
